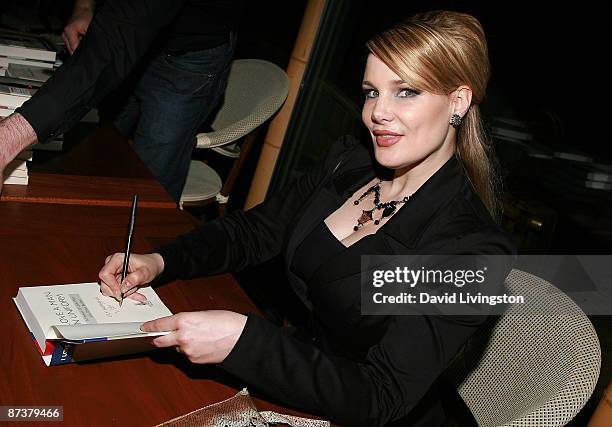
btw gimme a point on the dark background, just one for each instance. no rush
(548, 58)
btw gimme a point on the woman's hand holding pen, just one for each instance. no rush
(202, 336)
(142, 269)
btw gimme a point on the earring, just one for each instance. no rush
(455, 120)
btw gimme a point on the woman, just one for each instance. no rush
(428, 189)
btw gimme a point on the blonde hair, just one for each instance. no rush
(437, 52)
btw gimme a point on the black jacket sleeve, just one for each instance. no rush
(386, 386)
(245, 238)
(119, 35)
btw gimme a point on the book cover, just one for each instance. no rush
(29, 72)
(75, 322)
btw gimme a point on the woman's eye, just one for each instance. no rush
(407, 93)
(370, 93)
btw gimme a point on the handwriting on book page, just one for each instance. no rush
(111, 308)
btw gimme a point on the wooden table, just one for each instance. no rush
(101, 170)
(54, 244)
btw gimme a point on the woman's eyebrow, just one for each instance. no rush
(395, 82)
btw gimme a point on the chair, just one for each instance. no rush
(539, 365)
(256, 89)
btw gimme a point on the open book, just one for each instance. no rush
(71, 323)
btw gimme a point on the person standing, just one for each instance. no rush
(176, 55)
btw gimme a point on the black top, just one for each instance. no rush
(201, 24)
(119, 36)
(359, 370)
(319, 247)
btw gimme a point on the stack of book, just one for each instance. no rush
(17, 171)
(14, 92)
(25, 49)
(12, 95)
(26, 62)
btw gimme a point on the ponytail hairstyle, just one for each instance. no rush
(439, 51)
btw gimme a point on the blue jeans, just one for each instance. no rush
(171, 99)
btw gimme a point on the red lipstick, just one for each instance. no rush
(386, 138)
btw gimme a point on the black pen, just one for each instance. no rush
(126, 255)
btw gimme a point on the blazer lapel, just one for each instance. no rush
(352, 173)
(408, 225)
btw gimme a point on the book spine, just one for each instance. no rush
(16, 180)
(62, 353)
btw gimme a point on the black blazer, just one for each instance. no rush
(358, 370)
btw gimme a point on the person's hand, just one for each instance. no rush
(15, 135)
(3, 163)
(77, 26)
(142, 269)
(203, 336)
(2, 166)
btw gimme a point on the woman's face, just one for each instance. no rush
(409, 128)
